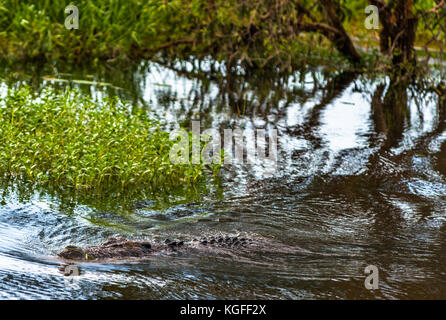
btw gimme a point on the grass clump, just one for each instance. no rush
(66, 139)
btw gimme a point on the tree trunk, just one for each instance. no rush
(341, 40)
(404, 36)
(397, 35)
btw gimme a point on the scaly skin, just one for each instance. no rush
(121, 248)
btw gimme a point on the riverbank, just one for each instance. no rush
(248, 34)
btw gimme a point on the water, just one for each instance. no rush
(360, 181)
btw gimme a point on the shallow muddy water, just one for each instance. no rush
(360, 180)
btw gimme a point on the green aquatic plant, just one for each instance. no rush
(66, 139)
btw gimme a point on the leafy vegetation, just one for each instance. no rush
(272, 33)
(66, 139)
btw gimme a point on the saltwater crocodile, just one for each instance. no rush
(121, 248)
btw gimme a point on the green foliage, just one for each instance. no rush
(257, 34)
(106, 28)
(116, 30)
(66, 139)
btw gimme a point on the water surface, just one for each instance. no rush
(360, 180)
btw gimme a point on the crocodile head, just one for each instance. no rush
(72, 253)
